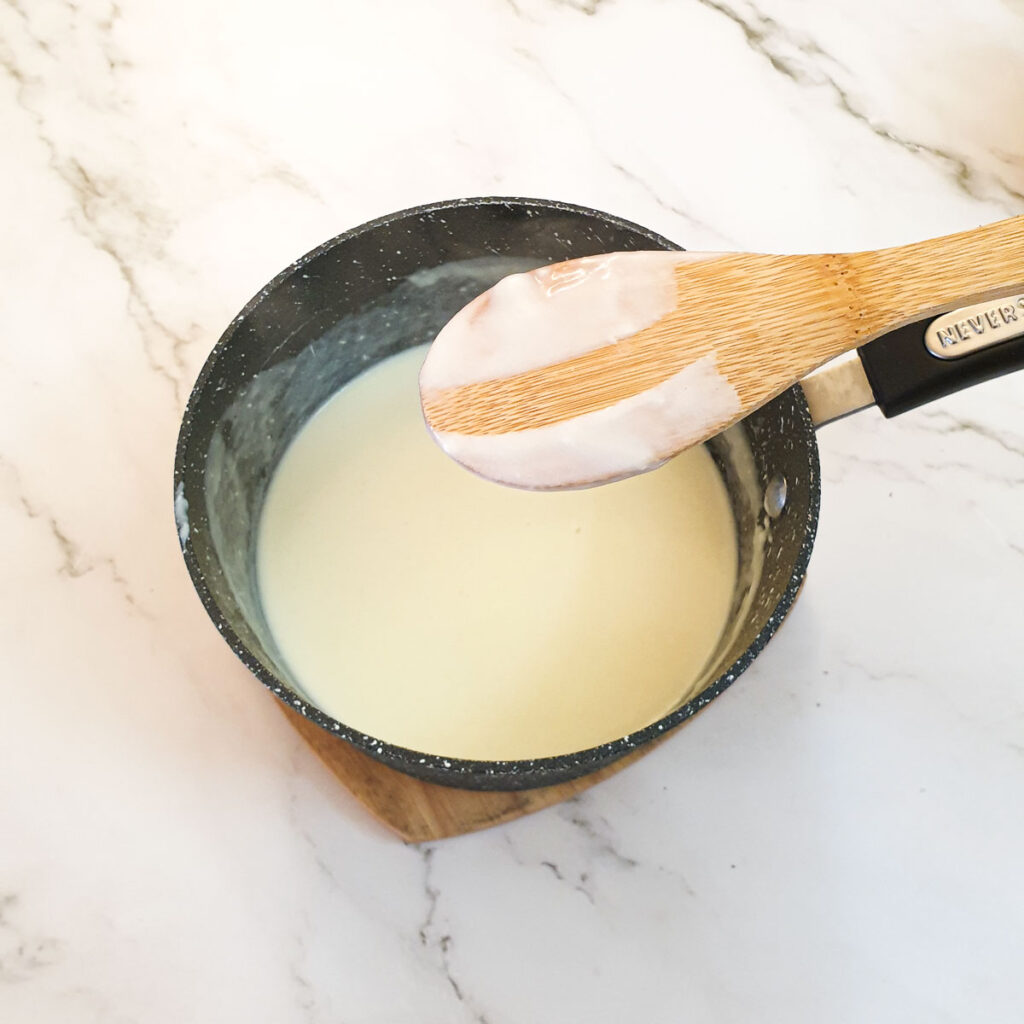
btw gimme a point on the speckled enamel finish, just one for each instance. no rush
(226, 455)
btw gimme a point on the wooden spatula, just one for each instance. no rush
(604, 367)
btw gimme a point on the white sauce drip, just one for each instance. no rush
(181, 513)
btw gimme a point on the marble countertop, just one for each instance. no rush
(839, 837)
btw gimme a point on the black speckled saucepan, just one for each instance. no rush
(281, 358)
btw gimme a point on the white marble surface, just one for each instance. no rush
(839, 838)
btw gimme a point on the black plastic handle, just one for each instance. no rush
(903, 374)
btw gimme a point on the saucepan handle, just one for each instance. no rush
(931, 359)
(922, 361)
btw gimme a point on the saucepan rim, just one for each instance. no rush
(496, 774)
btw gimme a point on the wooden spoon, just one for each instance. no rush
(603, 367)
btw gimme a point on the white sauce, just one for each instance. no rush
(181, 513)
(425, 607)
(553, 314)
(618, 441)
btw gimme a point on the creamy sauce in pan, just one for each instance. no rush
(431, 609)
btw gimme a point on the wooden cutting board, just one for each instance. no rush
(421, 811)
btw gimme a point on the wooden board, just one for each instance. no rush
(421, 811)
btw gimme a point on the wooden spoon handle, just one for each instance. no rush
(912, 282)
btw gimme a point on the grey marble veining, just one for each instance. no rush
(836, 838)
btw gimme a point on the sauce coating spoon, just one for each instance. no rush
(603, 367)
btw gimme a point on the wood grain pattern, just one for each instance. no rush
(422, 811)
(768, 320)
(612, 373)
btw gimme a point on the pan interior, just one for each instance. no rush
(323, 322)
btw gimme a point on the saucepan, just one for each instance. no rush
(280, 359)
